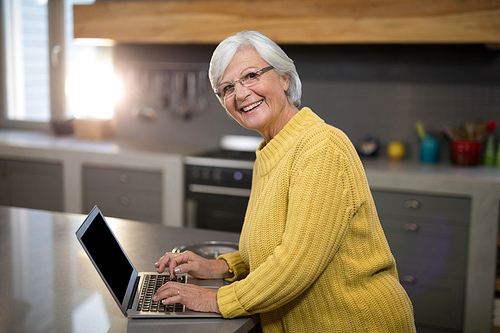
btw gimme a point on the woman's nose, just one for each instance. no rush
(240, 91)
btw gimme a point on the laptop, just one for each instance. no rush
(132, 290)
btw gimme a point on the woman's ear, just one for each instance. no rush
(285, 82)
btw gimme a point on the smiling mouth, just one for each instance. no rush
(251, 106)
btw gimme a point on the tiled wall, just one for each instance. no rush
(378, 89)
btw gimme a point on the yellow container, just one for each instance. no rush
(94, 129)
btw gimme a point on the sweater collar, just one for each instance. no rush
(268, 155)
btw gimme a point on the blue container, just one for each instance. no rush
(429, 149)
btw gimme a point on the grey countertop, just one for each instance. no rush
(48, 284)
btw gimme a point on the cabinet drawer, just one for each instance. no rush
(134, 206)
(123, 193)
(437, 302)
(121, 178)
(439, 248)
(31, 184)
(440, 208)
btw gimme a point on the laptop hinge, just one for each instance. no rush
(132, 297)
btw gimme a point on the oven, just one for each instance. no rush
(218, 185)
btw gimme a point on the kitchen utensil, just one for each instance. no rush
(480, 131)
(498, 156)
(420, 130)
(450, 132)
(469, 129)
(489, 151)
(491, 126)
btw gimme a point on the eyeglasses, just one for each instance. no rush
(227, 90)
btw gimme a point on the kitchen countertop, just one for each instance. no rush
(74, 154)
(47, 146)
(481, 184)
(69, 143)
(48, 284)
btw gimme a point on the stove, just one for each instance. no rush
(218, 184)
(223, 158)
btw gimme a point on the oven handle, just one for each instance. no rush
(240, 192)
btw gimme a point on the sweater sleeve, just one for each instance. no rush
(320, 206)
(236, 266)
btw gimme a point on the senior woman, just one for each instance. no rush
(312, 253)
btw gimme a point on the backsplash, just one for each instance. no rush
(382, 90)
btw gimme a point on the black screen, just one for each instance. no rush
(108, 256)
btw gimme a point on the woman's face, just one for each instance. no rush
(264, 106)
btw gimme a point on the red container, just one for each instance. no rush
(466, 152)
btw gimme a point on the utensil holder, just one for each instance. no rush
(466, 152)
(429, 150)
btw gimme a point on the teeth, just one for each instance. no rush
(251, 106)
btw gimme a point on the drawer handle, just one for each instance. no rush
(408, 279)
(124, 178)
(412, 204)
(410, 227)
(124, 200)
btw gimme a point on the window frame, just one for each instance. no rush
(56, 18)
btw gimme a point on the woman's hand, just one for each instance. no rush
(193, 297)
(193, 264)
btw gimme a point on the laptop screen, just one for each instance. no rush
(108, 256)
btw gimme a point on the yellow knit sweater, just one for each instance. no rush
(313, 256)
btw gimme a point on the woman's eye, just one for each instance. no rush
(251, 76)
(227, 88)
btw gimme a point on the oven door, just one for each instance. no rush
(217, 198)
(208, 210)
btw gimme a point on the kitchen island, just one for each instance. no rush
(48, 284)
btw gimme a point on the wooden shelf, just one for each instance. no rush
(292, 21)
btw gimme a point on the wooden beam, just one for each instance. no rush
(292, 21)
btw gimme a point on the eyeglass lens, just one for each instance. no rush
(246, 81)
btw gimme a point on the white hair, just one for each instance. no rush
(267, 49)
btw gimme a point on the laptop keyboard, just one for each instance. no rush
(150, 285)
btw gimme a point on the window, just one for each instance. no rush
(26, 60)
(46, 75)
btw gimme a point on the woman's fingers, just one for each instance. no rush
(163, 262)
(168, 292)
(172, 260)
(193, 297)
(193, 264)
(186, 262)
(183, 263)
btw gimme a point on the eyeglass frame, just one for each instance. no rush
(259, 73)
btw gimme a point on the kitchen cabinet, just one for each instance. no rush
(123, 193)
(428, 236)
(291, 21)
(162, 163)
(31, 184)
